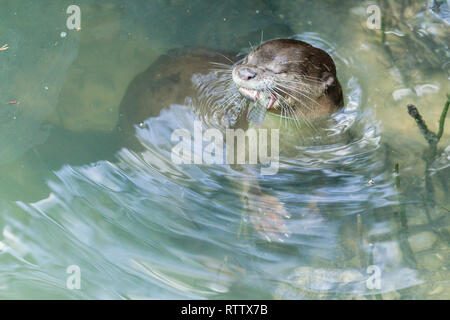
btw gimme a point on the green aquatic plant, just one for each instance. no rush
(431, 137)
(429, 157)
(442, 118)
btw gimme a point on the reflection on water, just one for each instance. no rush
(140, 226)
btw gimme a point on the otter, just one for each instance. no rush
(285, 78)
(294, 78)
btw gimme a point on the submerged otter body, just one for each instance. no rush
(167, 81)
(290, 77)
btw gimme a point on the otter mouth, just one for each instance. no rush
(254, 95)
(252, 87)
(263, 101)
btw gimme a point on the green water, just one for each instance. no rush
(139, 226)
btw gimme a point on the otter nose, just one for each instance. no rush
(246, 73)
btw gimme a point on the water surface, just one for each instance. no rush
(139, 226)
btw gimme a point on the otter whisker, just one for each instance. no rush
(299, 80)
(305, 76)
(296, 81)
(295, 98)
(293, 61)
(220, 54)
(222, 92)
(226, 97)
(296, 89)
(285, 109)
(221, 64)
(212, 106)
(251, 46)
(230, 100)
(226, 82)
(297, 120)
(221, 70)
(292, 113)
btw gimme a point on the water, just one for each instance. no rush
(139, 226)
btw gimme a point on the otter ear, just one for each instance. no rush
(327, 80)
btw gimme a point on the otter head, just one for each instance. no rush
(290, 77)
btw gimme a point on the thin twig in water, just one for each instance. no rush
(442, 119)
(429, 136)
(429, 156)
